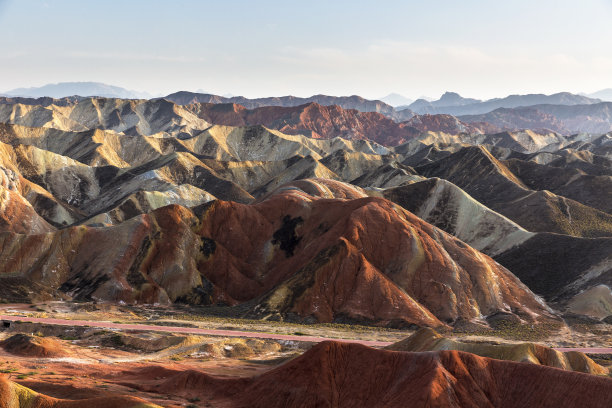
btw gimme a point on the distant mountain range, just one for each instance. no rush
(564, 112)
(345, 102)
(604, 95)
(64, 89)
(565, 119)
(448, 99)
(454, 104)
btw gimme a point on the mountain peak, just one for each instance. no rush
(450, 96)
(395, 99)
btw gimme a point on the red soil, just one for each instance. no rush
(363, 258)
(296, 253)
(348, 375)
(8, 398)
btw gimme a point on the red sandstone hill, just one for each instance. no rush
(293, 253)
(325, 122)
(312, 119)
(362, 258)
(340, 375)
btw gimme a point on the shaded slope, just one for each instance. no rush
(556, 266)
(592, 190)
(389, 175)
(560, 266)
(446, 206)
(492, 183)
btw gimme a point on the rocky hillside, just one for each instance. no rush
(313, 120)
(349, 375)
(427, 339)
(302, 256)
(159, 199)
(346, 102)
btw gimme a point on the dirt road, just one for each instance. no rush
(233, 333)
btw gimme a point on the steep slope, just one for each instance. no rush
(598, 144)
(562, 268)
(446, 206)
(593, 191)
(389, 175)
(350, 165)
(42, 101)
(100, 148)
(301, 168)
(16, 213)
(595, 301)
(308, 257)
(87, 191)
(491, 182)
(350, 375)
(525, 141)
(132, 117)
(91, 147)
(25, 203)
(260, 143)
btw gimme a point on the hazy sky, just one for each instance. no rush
(264, 48)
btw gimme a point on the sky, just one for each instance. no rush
(258, 48)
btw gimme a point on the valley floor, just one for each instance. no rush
(111, 350)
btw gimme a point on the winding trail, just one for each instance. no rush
(235, 333)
